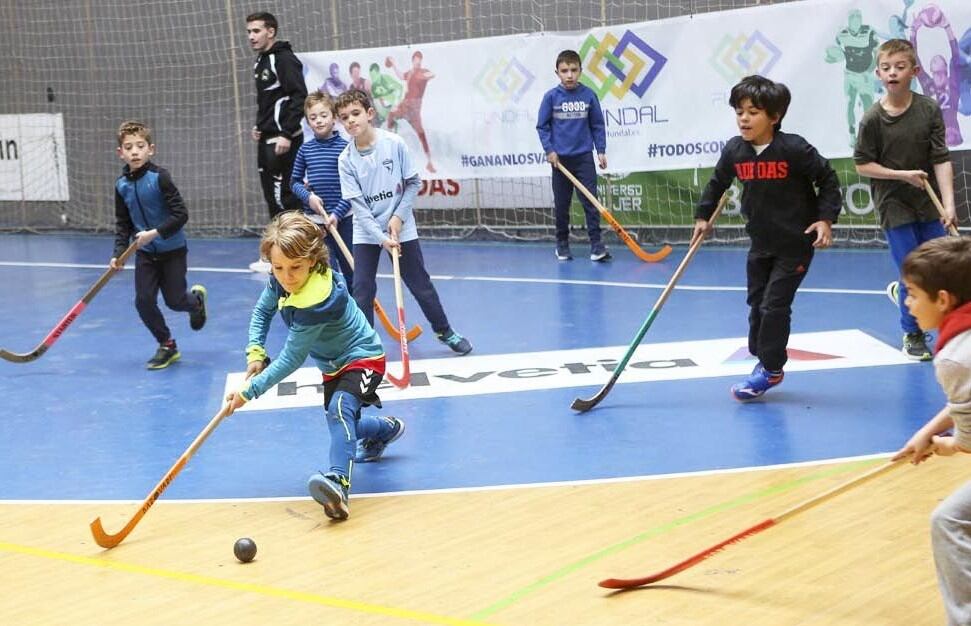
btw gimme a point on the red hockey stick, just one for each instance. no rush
(105, 540)
(630, 583)
(72, 315)
(940, 208)
(382, 316)
(650, 257)
(399, 300)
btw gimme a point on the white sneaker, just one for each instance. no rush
(893, 292)
(261, 266)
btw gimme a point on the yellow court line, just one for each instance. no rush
(274, 592)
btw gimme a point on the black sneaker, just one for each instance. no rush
(166, 355)
(563, 252)
(915, 347)
(456, 342)
(197, 318)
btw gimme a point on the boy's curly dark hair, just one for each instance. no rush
(772, 97)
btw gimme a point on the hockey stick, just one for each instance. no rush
(650, 257)
(105, 540)
(582, 405)
(385, 320)
(405, 379)
(75, 311)
(630, 583)
(940, 208)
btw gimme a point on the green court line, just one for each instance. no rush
(519, 594)
(274, 592)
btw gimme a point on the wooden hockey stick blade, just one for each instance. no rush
(631, 583)
(940, 208)
(405, 379)
(106, 540)
(389, 328)
(72, 315)
(584, 405)
(650, 257)
(382, 316)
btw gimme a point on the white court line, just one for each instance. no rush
(493, 279)
(420, 492)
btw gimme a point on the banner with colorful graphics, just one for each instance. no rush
(33, 157)
(634, 198)
(468, 108)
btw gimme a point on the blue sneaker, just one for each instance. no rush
(330, 490)
(456, 342)
(563, 252)
(369, 450)
(757, 383)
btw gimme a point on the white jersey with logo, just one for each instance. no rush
(377, 176)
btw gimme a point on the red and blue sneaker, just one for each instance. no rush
(757, 383)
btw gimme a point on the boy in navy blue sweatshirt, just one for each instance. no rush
(149, 208)
(321, 192)
(570, 126)
(787, 219)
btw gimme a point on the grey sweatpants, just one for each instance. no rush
(951, 542)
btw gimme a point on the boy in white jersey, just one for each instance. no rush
(381, 182)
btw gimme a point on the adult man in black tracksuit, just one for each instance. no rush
(280, 92)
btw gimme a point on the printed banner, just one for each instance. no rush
(468, 108)
(588, 367)
(33, 160)
(634, 198)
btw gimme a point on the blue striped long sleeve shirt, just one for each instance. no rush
(315, 171)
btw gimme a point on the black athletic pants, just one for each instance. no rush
(163, 272)
(413, 275)
(275, 173)
(772, 285)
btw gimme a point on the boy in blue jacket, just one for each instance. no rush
(571, 125)
(149, 209)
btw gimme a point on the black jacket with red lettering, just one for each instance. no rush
(779, 192)
(280, 91)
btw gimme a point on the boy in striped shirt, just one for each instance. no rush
(316, 181)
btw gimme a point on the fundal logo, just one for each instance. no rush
(619, 66)
(504, 80)
(742, 55)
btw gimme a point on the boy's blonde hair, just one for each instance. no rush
(893, 46)
(297, 238)
(941, 264)
(318, 97)
(353, 96)
(131, 127)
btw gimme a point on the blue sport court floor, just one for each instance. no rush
(87, 421)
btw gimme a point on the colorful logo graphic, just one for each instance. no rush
(618, 66)
(505, 80)
(742, 55)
